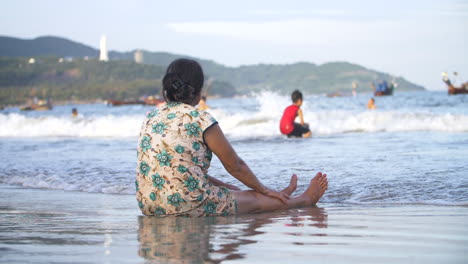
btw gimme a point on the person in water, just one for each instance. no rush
(74, 112)
(175, 147)
(202, 104)
(287, 125)
(371, 104)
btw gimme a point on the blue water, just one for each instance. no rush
(411, 150)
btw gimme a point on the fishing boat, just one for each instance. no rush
(458, 90)
(123, 102)
(383, 88)
(451, 89)
(150, 100)
(40, 105)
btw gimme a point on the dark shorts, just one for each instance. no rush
(299, 130)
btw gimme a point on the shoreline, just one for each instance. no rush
(324, 204)
(46, 226)
(61, 102)
(100, 100)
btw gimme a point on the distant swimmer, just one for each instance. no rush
(371, 104)
(74, 112)
(354, 86)
(76, 117)
(202, 104)
(287, 125)
(162, 104)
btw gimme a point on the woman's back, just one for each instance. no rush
(174, 154)
(173, 159)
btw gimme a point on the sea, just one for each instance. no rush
(412, 149)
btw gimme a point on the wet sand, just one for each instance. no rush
(52, 226)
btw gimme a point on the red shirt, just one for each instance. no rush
(287, 121)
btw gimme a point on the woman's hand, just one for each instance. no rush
(278, 195)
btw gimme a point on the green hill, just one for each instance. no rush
(121, 78)
(311, 78)
(44, 46)
(82, 79)
(79, 79)
(326, 78)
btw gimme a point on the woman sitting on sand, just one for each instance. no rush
(174, 153)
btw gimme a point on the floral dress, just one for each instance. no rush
(173, 162)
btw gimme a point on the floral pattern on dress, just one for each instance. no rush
(144, 168)
(173, 162)
(152, 113)
(164, 158)
(145, 143)
(159, 128)
(193, 129)
(158, 181)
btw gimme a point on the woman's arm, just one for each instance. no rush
(218, 144)
(217, 182)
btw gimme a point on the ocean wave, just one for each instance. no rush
(17, 125)
(54, 182)
(125, 186)
(429, 202)
(256, 117)
(242, 125)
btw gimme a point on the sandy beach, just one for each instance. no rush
(54, 226)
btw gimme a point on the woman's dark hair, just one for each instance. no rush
(183, 81)
(296, 95)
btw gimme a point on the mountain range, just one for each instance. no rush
(283, 78)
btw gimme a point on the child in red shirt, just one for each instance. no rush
(287, 125)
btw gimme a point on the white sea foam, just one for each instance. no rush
(17, 125)
(261, 123)
(91, 185)
(257, 116)
(359, 195)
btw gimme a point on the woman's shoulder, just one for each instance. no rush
(177, 107)
(189, 110)
(176, 111)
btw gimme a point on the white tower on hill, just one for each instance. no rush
(103, 45)
(138, 56)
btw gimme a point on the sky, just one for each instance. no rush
(416, 39)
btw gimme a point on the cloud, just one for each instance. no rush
(294, 31)
(414, 43)
(298, 12)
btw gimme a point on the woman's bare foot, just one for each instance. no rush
(318, 186)
(292, 185)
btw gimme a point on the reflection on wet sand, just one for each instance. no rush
(215, 239)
